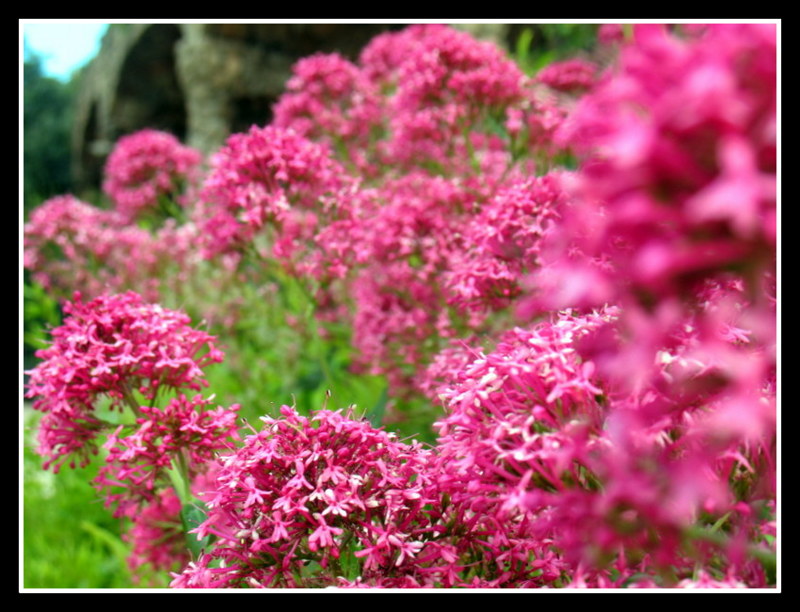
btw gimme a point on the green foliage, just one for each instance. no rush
(47, 124)
(192, 516)
(41, 313)
(70, 539)
(538, 45)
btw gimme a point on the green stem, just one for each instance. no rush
(179, 475)
(627, 30)
(130, 400)
(763, 555)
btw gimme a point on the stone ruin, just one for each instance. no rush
(200, 82)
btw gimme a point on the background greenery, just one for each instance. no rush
(47, 123)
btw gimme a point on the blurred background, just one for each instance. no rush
(88, 84)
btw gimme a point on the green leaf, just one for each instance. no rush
(543, 59)
(524, 44)
(640, 576)
(375, 415)
(351, 567)
(192, 516)
(113, 542)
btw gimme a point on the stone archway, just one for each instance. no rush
(148, 92)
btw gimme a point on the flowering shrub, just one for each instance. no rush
(569, 76)
(117, 347)
(73, 246)
(268, 175)
(572, 276)
(313, 490)
(146, 166)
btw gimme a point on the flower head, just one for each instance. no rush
(678, 179)
(569, 76)
(114, 345)
(313, 488)
(186, 428)
(268, 176)
(145, 166)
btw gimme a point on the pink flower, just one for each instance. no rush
(146, 166)
(138, 463)
(64, 240)
(73, 246)
(501, 244)
(308, 488)
(156, 535)
(330, 99)
(610, 33)
(445, 81)
(568, 76)
(269, 177)
(679, 159)
(114, 346)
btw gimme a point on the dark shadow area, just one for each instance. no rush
(148, 93)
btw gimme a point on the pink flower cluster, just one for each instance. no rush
(331, 100)
(368, 510)
(157, 532)
(519, 419)
(501, 245)
(146, 166)
(269, 177)
(445, 83)
(64, 239)
(680, 155)
(532, 127)
(184, 428)
(568, 76)
(113, 346)
(416, 98)
(675, 222)
(156, 535)
(70, 246)
(434, 256)
(327, 489)
(610, 33)
(403, 241)
(121, 348)
(619, 484)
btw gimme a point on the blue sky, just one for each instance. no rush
(63, 46)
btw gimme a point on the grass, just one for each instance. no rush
(69, 540)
